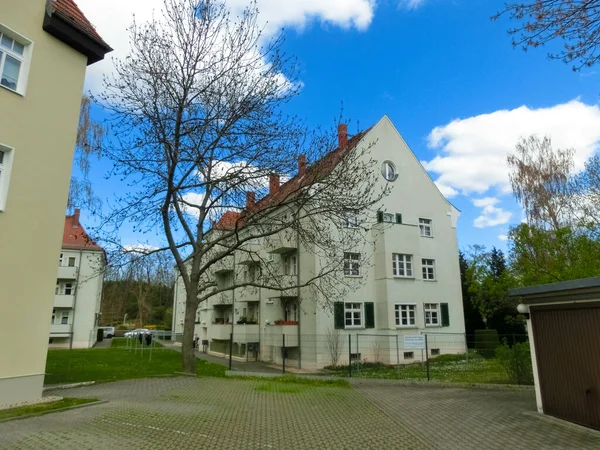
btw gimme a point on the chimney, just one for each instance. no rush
(301, 164)
(273, 183)
(250, 199)
(76, 216)
(343, 135)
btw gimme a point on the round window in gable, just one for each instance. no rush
(388, 170)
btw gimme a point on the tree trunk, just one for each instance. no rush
(187, 348)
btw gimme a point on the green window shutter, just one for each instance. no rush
(398, 218)
(338, 315)
(445, 315)
(379, 216)
(369, 315)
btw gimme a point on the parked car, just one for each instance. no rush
(109, 332)
(136, 332)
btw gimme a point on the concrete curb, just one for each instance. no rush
(440, 384)
(50, 411)
(69, 386)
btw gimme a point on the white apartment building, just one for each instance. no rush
(410, 286)
(78, 291)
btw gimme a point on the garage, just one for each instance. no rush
(564, 329)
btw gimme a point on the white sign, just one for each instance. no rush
(414, 341)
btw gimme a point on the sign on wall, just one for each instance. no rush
(416, 341)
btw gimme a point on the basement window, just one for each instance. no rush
(409, 355)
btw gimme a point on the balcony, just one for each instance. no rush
(223, 298)
(279, 243)
(246, 333)
(274, 335)
(220, 331)
(247, 294)
(67, 273)
(223, 266)
(60, 330)
(64, 301)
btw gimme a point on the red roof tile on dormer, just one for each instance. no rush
(69, 11)
(75, 237)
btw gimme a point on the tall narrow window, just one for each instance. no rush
(71, 261)
(69, 289)
(64, 320)
(5, 165)
(425, 227)
(13, 53)
(352, 264)
(402, 265)
(290, 264)
(428, 266)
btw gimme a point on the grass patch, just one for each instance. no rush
(299, 380)
(118, 363)
(43, 408)
(290, 384)
(452, 368)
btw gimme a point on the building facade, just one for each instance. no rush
(78, 292)
(45, 47)
(410, 286)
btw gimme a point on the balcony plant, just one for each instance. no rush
(242, 320)
(286, 322)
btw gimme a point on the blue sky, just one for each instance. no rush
(445, 74)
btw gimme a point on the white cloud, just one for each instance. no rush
(490, 214)
(141, 249)
(411, 4)
(472, 151)
(503, 237)
(112, 18)
(446, 190)
(487, 201)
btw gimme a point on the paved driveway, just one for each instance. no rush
(476, 418)
(192, 413)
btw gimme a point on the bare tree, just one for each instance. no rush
(575, 22)
(90, 135)
(335, 343)
(200, 130)
(541, 181)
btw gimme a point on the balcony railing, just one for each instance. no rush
(220, 332)
(67, 273)
(58, 330)
(64, 301)
(274, 335)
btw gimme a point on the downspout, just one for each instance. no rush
(233, 300)
(174, 319)
(75, 299)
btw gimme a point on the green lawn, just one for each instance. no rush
(118, 363)
(454, 368)
(43, 407)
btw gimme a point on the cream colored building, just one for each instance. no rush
(45, 48)
(78, 291)
(411, 285)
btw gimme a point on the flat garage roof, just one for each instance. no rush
(581, 289)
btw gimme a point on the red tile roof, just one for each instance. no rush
(319, 169)
(69, 11)
(75, 237)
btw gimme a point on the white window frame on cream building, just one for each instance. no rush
(428, 269)
(10, 43)
(425, 227)
(6, 159)
(409, 307)
(433, 310)
(355, 311)
(406, 261)
(351, 264)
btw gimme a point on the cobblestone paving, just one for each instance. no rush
(191, 413)
(478, 419)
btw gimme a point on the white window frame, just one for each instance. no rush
(387, 174)
(425, 226)
(404, 261)
(352, 263)
(428, 269)
(432, 311)
(398, 315)
(290, 264)
(64, 315)
(71, 287)
(25, 58)
(389, 217)
(356, 312)
(5, 170)
(71, 258)
(351, 220)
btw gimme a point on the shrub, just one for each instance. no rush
(486, 342)
(516, 361)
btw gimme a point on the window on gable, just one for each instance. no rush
(352, 264)
(425, 227)
(13, 58)
(402, 265)
(428, 266)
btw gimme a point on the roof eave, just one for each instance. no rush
(59, 26)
